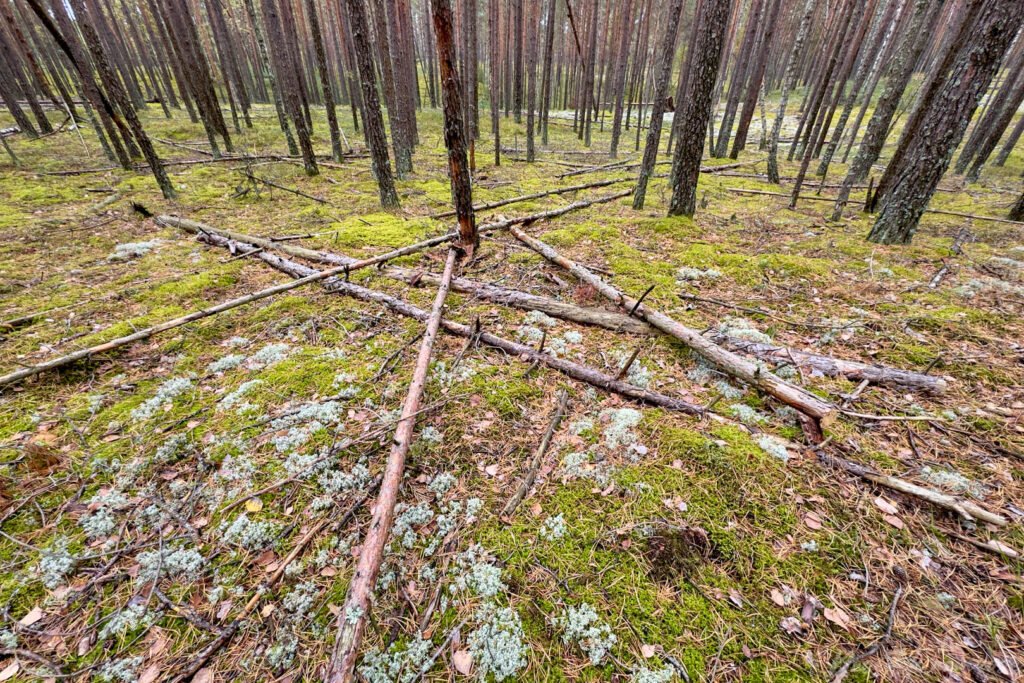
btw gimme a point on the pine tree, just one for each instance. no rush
(696, 112)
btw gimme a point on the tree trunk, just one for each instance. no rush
(619, 84)
(707, 53)
(325, 80)
(373, 120)
(789, 81)
(898, 75)
(942, 125)
(1017, 211)
(531, 75)
(546, 85)
(493, 33)
(668, 50)
(454, 130)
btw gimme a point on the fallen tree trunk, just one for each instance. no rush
(753, 374)
(315, 276)
(611, 320)
(523, 352)
(352, 619)
(835, 367)
(536, 195)
(965, 508)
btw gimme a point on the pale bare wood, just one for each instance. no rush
(352, 619)
(736, 366)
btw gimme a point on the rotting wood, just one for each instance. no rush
(531, 472)
(352, 618)
(523, 352)
(965, 508)
(835, 367)
(753, 374)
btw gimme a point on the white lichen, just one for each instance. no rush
(497, 644)
(773, 447)
(249, 534)
(229, 362)
(553, 528)
(163, 397)
(582, 626)
(130, 250)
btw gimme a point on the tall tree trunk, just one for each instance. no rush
(454, 129)
(267, 71)
(942, 125)
(531, 75)
(619, 85)
(756, 77)
(668, 51)
(373, 120)
(1017, 211)
(789, 81)
(898, 75)
(325, 80)
(546, 85)
(493, 32)
(707, 53)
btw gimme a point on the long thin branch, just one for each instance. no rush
(523, 352)
(352, 620)
(536, 195)
(965, 508)
(741, 368)
(538, 457)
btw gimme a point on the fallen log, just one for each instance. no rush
(315, 276)
(611, 320)
(965, 508)
(536, 195)
(196, 227)
(820, 411)
(352, 619)
(835, 367)
(525, 353)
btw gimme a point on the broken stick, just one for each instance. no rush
(807, 403)
(352, 619)
(965, 508)
(315, 276)
(523, 352)
(538, 457)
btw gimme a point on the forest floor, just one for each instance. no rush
(655, 543)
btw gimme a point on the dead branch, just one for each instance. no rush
(965, 508)
(835, 367)
(612, 320)
(538, 457)
(875, 647)
(352, 619)
(29, 371)
(536, 195)
(525, 353)
(832, 200)
(751, 373)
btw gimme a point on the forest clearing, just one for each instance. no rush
(319, 362)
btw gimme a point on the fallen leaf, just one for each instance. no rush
(735, 598)
(32, 617)
(885, 506)
(812, 520)
(648, 651)
(254, 505)
(838, 617)
(224, 609)
(792, 626)
(204, 675)
(778, 598)
(491, 470)
(536, 510)
(10, 671)
(894, 520)
(267, 610)
(150, 674)
(463, 662)
(329, 571)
